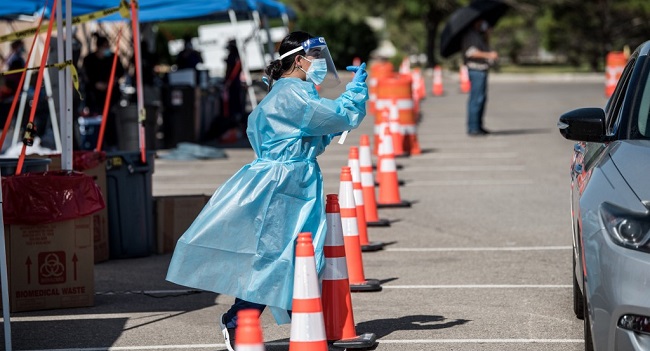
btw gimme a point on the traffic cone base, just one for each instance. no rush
(362, 341)
(372, 246)
(380, 222)
(368, 285)
(402, 203)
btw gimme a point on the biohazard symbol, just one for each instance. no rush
(51, 267)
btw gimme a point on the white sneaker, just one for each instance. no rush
(228, 333)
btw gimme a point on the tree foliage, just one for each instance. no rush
(582, 31)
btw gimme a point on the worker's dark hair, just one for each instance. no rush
(278, 67)
(16, 44)
(100, 40)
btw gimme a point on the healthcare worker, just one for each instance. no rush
(242, 243)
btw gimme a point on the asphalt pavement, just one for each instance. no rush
(481, 261)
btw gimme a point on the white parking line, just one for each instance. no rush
(483, 341)
(460, 169)
(381, 341)
(454, 249)
(467, 155)
(480, 182)
(479, 286)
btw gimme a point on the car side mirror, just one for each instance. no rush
(583, 124)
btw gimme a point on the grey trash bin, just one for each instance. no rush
(130, 204)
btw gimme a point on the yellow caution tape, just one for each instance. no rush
(60, 66)
(123, 9)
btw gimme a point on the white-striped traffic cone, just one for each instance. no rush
(337, 301)
(388, 183)
(353, 163)
(248, 335)
(358, 282)
(368, 185)
(307, 323)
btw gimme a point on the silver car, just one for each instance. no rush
(610, 210)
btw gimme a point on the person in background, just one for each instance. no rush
(478, 57)
(97, 68)
(14, 61)
(242, 243)
(188, 57)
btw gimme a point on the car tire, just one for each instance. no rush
(578, 298)
(589, 341)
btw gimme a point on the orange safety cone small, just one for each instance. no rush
(358, 282)
(380, 140)
(307, 322)
(353, 163)
(388, 183)
(438, 88)
(368, 185)
(337, 300)
(465, 85)
(248, 335)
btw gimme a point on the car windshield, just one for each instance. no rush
(643, 117)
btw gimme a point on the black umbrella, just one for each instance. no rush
(461, 19)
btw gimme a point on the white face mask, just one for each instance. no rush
(317, 70)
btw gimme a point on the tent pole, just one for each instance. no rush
(256, 33)
(244, 62)
(66, 118)
(4, 281)
(23, 101)
(60, 54)
(50, 104)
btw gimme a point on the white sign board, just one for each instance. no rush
(213, 40)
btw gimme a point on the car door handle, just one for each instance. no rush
(578, 148)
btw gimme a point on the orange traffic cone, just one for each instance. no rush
(356, 61)
(388, 183)
(465, 85)
(337, 301)
(353, 163)
(358, 282)
(405, 67)
(248, 335)
(368, 185)
(382, 135)
(438, 88)
(307, 323)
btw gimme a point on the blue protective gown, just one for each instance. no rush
(242, 243)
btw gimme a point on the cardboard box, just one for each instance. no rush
(100, 219)
(174, 214)
(50, 265)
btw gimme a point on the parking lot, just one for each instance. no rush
(481, 261)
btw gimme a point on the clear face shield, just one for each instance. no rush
(322, 64)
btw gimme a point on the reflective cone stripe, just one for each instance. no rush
(337, 300)
(388, 182)
(353, 162)
(367, 180)
(307, 324)
(350, 228)
(465, 84)
(248, 335)
(438, 88)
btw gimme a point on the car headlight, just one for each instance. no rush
(628, 229)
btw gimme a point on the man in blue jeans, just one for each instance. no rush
(478, 57)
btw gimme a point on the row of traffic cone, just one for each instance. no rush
(463, 74)
(437, 89)
(316, 321)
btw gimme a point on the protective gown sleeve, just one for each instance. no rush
(325, 116)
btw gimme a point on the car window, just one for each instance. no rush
(613, 109)
(643, 114)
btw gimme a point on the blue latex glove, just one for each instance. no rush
(360, 73)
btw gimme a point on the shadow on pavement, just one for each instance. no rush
(384, 327)
(522, 131)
